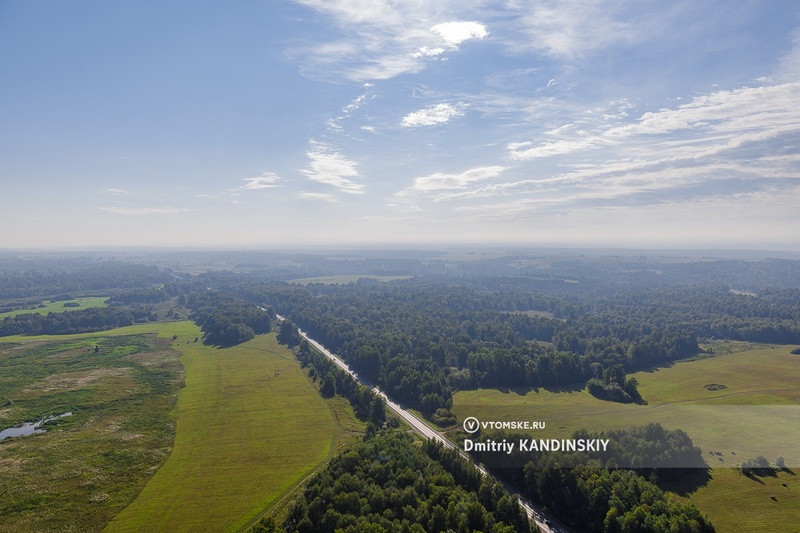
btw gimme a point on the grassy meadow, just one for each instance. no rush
(754, 409)
(86, 467)
(52, 306)
(248, 427)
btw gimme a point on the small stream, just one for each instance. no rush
(29, 428)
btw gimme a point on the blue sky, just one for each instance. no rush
(349, 122)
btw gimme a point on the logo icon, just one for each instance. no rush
(471, 424)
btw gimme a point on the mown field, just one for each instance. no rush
(251, 426)
(51, 306)
(754, 409)
(247, 428)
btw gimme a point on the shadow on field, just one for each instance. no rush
(572, 387)
(522, 391)
(753, 477)
(650, 369)
(690, 479)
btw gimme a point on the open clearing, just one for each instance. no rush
(756, 413)
(250, 427)
(57, 306)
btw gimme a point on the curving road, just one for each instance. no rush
(546, 523)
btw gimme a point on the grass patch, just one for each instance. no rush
(757, 413)
(735, 502)
(88, 466)
(251, 427)
(52, 306)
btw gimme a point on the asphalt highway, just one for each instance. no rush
(546, 523)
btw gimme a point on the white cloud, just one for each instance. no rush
(143, 210)
(383, 39)
(708, 124)
(332, 168)
(264, 181)
(442, 181)
(455, 33)
(549, 149)
(117, 191)
(427, 52)
(317, 196)
(436, 114)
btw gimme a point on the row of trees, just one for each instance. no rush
(367, 405)
(80, 321)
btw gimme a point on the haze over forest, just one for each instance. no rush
(342, 122)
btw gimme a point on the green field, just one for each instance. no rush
(756, 413)
(251, 426)
(58, 306)
(734, 502)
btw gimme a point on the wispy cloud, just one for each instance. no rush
(317, 196)
(435, 114)
(332, 168)
(709, 124)
(117, 192)
(350, 109)
(574, 29)
(441, 181)
(724, 144)
(265, 181)
(385, 39)
(143, 210)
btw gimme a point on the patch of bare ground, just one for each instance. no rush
(66, 381)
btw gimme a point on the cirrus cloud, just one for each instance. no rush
(264, 181)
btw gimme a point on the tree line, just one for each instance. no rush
(332, 380)
(79, 321)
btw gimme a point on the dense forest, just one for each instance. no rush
(388, 483)
(422, 340)
(610, 490)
